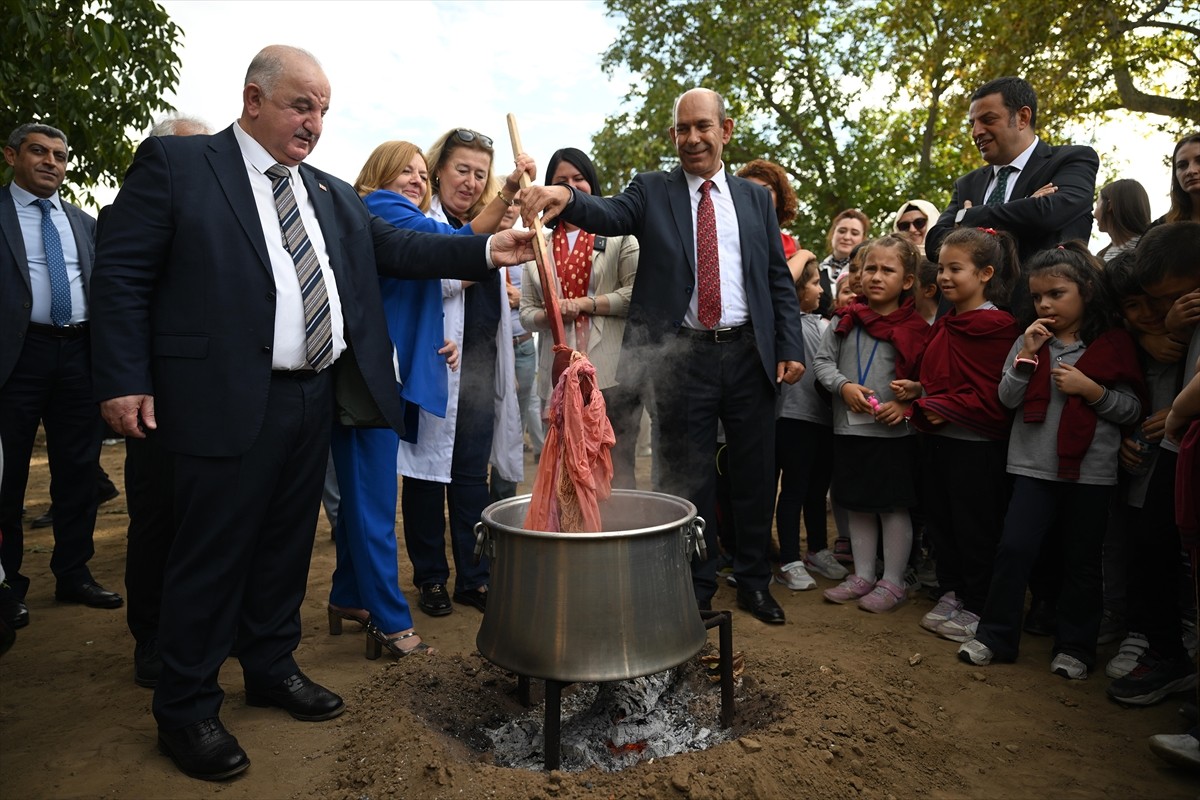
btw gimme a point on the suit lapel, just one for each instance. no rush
(11, 227)
(225, 158)
(979, 184)
(1033, 167)
(84, 245)
(681, 210)
(743, 206)
(322, 200)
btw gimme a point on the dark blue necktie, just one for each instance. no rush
(56, 265)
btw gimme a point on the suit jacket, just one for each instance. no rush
(16, 295)
(656, 209)
(1036, 223)
(183, 298)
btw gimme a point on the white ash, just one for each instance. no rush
(617, 724)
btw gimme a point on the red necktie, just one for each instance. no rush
(708, 270)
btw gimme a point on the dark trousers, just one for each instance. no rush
(1077, 510)
(51, 383)
(966, 496)
(466, 496)
(804, 464)
(149, 490)
(706, 382)
(1153, 589)
(624, 407)
(238, 568)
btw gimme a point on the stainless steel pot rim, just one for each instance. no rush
(686, 515)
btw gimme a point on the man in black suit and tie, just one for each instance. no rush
(232, 281)
(714, 323)
(46, 253)
(1041, 195)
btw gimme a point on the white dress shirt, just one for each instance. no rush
(735, 310)
(288, 351)
(29, 215)
(1019, 163)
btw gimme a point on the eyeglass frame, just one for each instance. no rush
(466, 136)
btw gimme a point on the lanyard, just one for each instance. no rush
(862, 373)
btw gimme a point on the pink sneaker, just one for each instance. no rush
(884, 598)
(850, 589)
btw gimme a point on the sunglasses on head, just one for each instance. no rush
(919, 224)
(466, 136)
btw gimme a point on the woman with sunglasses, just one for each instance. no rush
(394, 185)
(596, 275)
(446, 466)
(913, 220)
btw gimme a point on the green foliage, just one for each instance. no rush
(95, 70)
(864, 102)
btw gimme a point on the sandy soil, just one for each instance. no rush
(836, 703)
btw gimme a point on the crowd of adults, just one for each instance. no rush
(265, 335)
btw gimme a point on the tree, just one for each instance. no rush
(95, 70)
(864, 103)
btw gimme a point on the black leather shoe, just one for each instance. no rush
(204, 750)
(147, 663)
(43, 520)
(761, 605)
(472, 597)
(88, 593)
(299, 696)
(14, 612)
(435, 600)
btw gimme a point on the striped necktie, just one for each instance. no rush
(318, 330)
(56, 266)
(997, 196)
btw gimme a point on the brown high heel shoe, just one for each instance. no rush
(377, 641)
(337, 614)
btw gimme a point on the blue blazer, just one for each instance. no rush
(183, 298)
(16, 296)
(656, 209)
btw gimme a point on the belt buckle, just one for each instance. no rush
(724, 335)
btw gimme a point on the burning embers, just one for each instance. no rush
(617, 724)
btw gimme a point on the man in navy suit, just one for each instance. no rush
(723, 365)
(1042, 195)
(229, 275)
(46, 253)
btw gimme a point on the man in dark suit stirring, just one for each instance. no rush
(231, 282)
(714, 323)
(1042, 195)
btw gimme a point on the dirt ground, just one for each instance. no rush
(836, 703)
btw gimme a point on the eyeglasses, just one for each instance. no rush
(918, 223)
(466, 136)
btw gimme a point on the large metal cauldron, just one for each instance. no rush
(593, 606)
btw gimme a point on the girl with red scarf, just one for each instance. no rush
(871, 345)
(965, 422)
(1074, 379)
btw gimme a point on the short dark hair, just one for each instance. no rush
(578, 159)
(1016, 93)
(1126, 208)
(1169, 250)
(1122, 277)
(17, 137)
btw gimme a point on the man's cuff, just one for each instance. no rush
(487, 253)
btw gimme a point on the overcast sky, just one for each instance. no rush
(411, 70)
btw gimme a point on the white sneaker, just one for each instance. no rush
(795, 577)
(824, 564)
(960, 627)
(1069, 667)
(946, 607)
(1180, 749)
(975, 652)
(1132, 648)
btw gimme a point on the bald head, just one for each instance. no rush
(701, 131)
(180, 126)
(284, 102)
(708, 95)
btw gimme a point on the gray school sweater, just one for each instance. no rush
(800, 400)
(1033, 447)
(839, 361)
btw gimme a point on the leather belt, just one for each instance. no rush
(718, 335)
(59, 331)
(522, 338)
(294, 374)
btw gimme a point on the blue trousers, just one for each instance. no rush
(366, 575)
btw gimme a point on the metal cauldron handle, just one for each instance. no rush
(696, 533)
(483, 537)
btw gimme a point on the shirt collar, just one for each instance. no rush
(1020, 161)
(23, 197)
(256, 155)
(720, 180)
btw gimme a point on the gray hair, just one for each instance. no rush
(271, 62)
(179, 125)
(17, 137)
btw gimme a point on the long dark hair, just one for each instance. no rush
(1071, 260)
(1126, 208)
(578, 159)
(1181, 201)
(997, 249)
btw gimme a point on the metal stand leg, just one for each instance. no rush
(552, 731)
(523, 690)
(723, 621)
